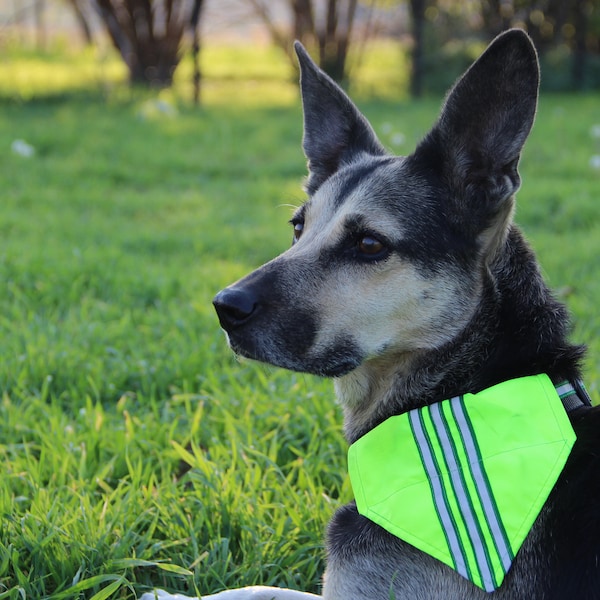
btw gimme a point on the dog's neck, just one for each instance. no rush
(503, 340)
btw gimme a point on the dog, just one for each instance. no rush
(408, 283)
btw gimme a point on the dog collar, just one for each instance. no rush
(464, 479)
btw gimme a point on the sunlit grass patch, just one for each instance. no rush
(27, 75)
(136, 450)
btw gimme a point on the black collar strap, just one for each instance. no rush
(573, 395)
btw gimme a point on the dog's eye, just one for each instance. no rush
(370, 246)
(298, 229)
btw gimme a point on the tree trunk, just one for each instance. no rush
(333, 34)
(304, 21)
(580, 50)
(147, 35)
(417, 72)
(494, 21)
(194, 22)
(334, 40)
(82, 21)
(39, 7)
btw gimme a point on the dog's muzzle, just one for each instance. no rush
(234, 307)
(278, 332)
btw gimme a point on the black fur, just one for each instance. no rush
(452, 201)
(335, 132)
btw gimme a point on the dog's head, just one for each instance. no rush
(389, 253)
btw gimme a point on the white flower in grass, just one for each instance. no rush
(595, 162)
(22, 148)
(398, 139)
(155, 109)
(387, 128)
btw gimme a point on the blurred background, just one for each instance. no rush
(437, 39)
(149, 156)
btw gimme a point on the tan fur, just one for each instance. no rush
(431, 313)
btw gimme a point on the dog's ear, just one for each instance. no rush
(335, 132)
(480, 133)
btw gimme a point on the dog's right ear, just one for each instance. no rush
(335, 132)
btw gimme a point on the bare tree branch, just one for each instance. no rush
(149, 34)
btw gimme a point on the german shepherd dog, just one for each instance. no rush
(408, 283)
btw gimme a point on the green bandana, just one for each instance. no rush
(464, 479)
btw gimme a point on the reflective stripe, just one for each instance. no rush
(438, 492)
(463, 526)
(569, 396)
(564, 389)
(481, 480)
(464, 499)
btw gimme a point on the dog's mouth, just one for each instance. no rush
(281, 337)
(333, 363)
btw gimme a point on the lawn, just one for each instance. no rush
(136, 451)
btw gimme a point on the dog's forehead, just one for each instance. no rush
(379, 190)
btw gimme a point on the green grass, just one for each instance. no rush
(136, 451)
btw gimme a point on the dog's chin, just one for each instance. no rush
(332, 365)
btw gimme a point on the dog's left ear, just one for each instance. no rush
(480, 133)
(335, 132)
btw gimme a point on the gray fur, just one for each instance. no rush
(335, 132)
(408, 284)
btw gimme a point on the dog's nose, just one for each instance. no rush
(234, 307)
